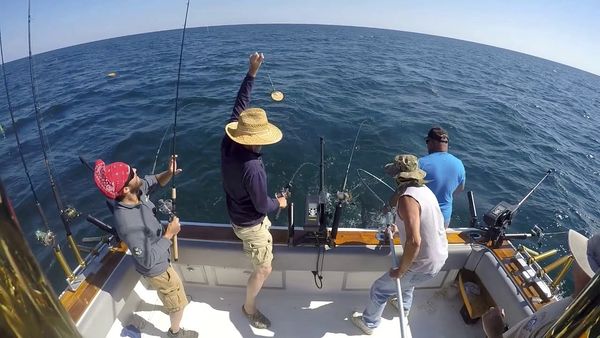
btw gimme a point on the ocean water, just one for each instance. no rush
(511, 117)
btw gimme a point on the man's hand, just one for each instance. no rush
(395, 273)
(282, 202)
(256, 59)
(173, 228)
(394, 229)
(172, 168)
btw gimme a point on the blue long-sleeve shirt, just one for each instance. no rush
(243, 172)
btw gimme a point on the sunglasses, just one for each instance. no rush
(427, 139)
(129, 178)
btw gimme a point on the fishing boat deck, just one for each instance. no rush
(215, 271)
(216, 312)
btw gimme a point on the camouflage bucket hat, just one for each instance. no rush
(405, 167)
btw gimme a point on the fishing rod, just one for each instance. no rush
(286, 190)
(499, 218)
(69, 213)
(48, 237)
(173, 153)
(343, 197)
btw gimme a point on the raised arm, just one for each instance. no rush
(243, 97)
(164, 177)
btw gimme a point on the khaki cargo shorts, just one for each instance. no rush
(258, 242)
(170, 290)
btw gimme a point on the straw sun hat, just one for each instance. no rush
(253, 129)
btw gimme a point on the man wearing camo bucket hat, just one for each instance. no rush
(421, 227)
(245, 185)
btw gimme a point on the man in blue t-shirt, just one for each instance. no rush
(445, 173)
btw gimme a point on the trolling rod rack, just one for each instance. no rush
(499, 218)
(526, 261)
(317, 217)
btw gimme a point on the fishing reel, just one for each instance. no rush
(47, 238)
(70, 213)
(344, 197)
(284, 192)
(165, 207)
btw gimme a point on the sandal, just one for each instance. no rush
(257, 319)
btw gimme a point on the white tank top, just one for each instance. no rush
(434, 244)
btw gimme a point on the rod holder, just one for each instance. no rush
(556, 264)
(75, 250)
(562, 273)
(291, 224)
(545, 255)
(60, 258)
(531, 252)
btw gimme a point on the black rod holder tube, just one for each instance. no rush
(291, 224)
(472, 209)
(337, 215)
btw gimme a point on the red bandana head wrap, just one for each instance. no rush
(110, 179)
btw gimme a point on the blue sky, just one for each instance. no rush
(563, 31)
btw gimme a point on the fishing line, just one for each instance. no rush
(285, 191)
(173, 153)
(14, 125)
(162, 140)
(298, 170)
(352, 154)
(48, 237)
(276, 95)
(358, 173)
(65, 214)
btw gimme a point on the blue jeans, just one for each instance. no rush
(385, 287)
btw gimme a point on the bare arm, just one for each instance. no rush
(459, 189)
(410, 212)
(164, 177)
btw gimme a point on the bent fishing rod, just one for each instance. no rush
(286, 191)
(67, 214)
(48, 237)
(173, 152)
(343, 197)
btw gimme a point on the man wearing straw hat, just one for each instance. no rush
(587, 263)
(245, 185)
(423, 236)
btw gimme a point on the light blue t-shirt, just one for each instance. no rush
(445, 173)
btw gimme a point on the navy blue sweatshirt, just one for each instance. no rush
(243, 173)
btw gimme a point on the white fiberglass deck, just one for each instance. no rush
(216, 312)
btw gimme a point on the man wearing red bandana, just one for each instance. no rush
(136, 224)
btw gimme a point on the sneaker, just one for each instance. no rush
(257, 319)
(358, 321)
(394, 302)
(182, 333)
